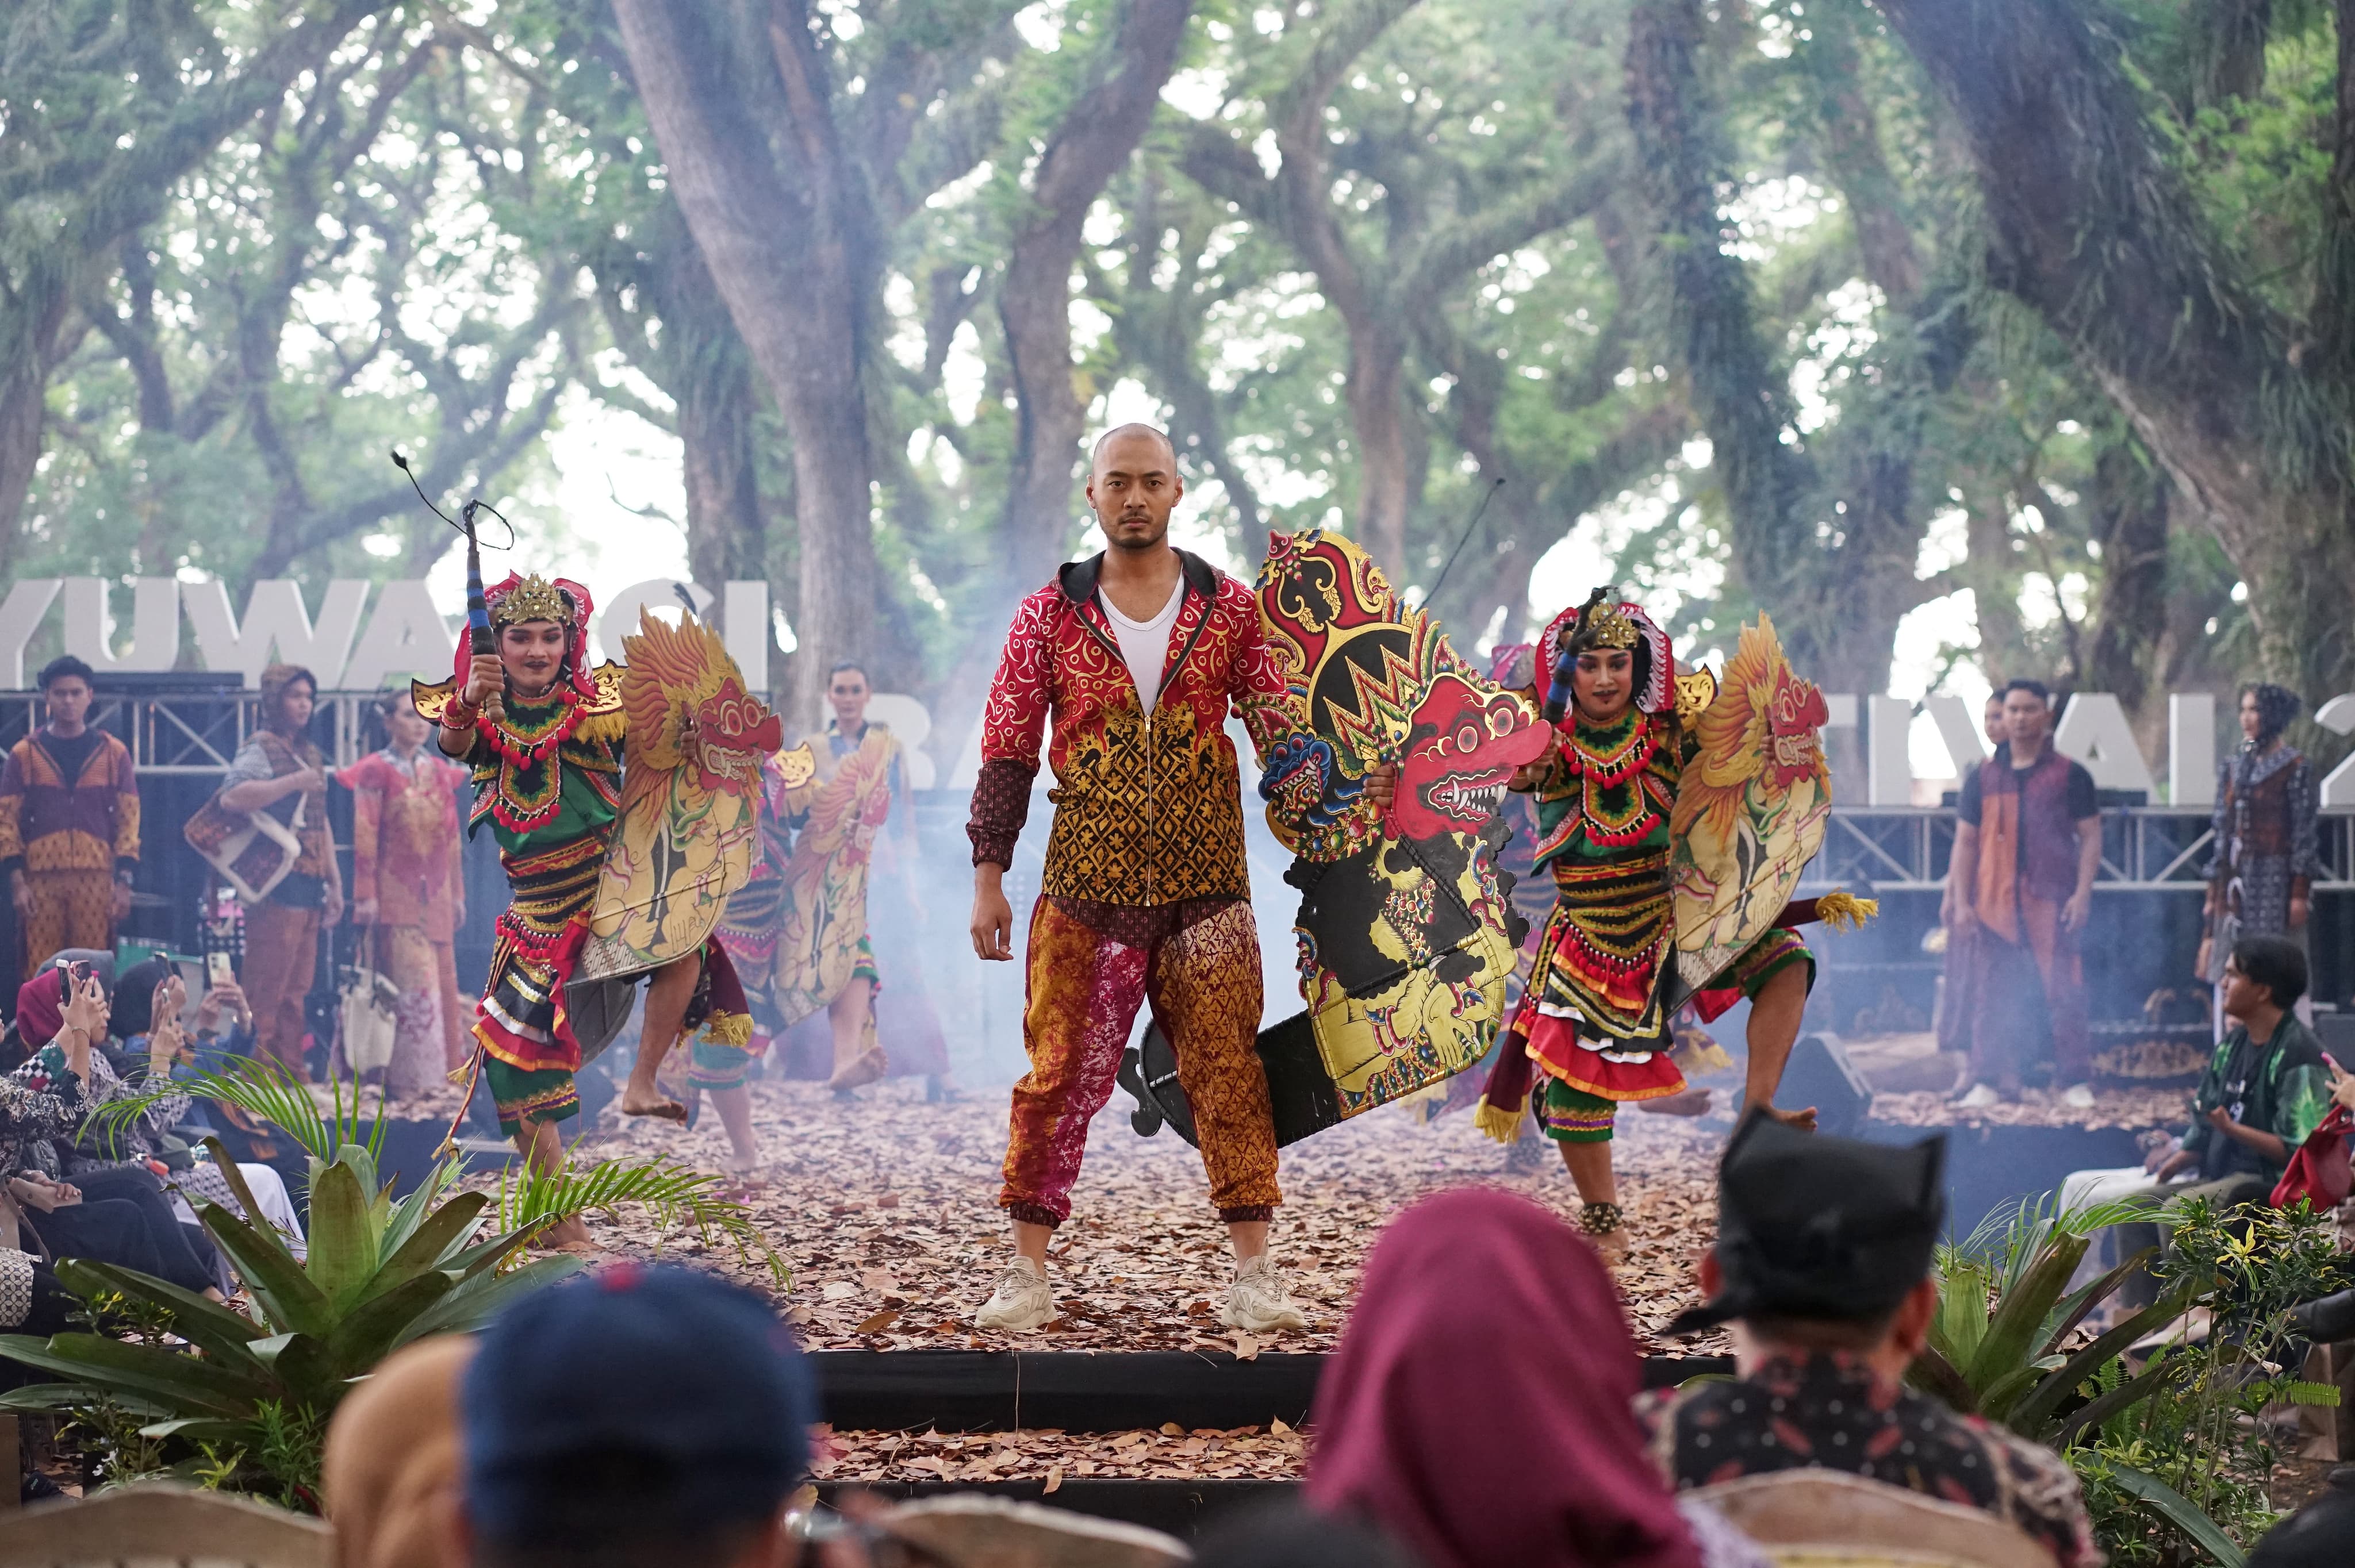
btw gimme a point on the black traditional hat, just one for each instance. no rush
(1810, 1226)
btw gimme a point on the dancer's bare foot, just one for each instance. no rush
(566, 1234)
(1798, 1120)
(865, 1069)
(740, 1177)
(646, 1100)
(1691, 1101)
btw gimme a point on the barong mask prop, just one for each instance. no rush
(1752, 808)
(689, 814)
(1406, 937)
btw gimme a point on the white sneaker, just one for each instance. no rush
(2078, 1096)
(1258, 1299)
(1981, 1096)
(1021, 1302)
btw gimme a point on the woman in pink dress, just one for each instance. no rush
(409, 892)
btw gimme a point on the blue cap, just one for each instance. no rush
(645, 1399)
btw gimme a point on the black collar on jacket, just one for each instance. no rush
(1078, 579)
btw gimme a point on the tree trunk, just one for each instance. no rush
(24, 409)
(2129, 503)
(1034, 301)
(790, 249)
(1995, 590)
(726, 537)
(2090, 226)
(1377, 420)
(1737, 391)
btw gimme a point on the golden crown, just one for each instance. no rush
(1613, 627)
(534, 598)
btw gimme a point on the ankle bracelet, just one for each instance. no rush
(1599, 1219)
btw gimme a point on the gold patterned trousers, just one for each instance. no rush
(70, 909)
(1084, 989)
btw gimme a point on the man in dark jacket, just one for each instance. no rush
(1822, 1267)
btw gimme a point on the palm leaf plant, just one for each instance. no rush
(166, 1380)
(2004, 1312)
(380, 1273)
(2166, 1448)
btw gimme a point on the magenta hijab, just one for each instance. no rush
(40, 1008)
(1477, 1408)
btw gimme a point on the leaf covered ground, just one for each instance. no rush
(883, 1208)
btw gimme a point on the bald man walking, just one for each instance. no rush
(1136, 654)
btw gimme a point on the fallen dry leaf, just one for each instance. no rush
(1246, 1347)
(1054, 1482)
(880, 1322)
(894, 1192)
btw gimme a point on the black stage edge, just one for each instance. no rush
(1181, 1508)
(1079, 1391)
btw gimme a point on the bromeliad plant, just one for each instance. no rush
(2166, 1446)
(2004, 1312)
(167, 1381)
(221, 1406)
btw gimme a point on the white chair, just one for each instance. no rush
(153, 1523)
(1827, 1519)
(999, 1532)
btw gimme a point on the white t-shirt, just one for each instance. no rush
(1145, 644)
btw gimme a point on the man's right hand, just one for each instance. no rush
(20, 893)
(2160, 1154)
(993, 916)
(1961, 920)
(484, 677)
(2179, 1161)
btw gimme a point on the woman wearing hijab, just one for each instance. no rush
(118, 1215)
(1477, 1409)
(148, 1001)
(2266, 857)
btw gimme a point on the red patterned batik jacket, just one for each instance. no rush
(1148, 810)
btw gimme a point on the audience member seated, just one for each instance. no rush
(392, 1470)
(2319, 1535)
(31, 1300)
(1477, 1410)
(118, 1216)
(639, 1415)
(2266, 1087)
(220, 1035)
(1822, 1267)
(148, 1001)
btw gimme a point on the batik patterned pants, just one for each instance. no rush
(70, 909)
(1084, 989)
(281, 958)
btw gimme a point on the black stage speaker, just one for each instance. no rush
(1820, 1075)
(2335, 1032)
